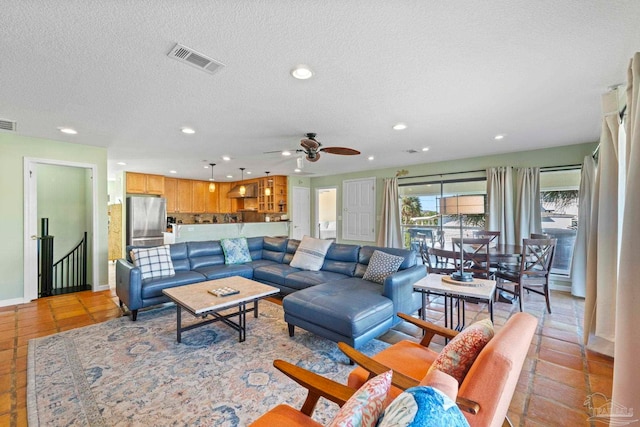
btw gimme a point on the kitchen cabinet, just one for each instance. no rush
(275, 199)
(141, 183)
(184, 197)
(200, 196)
(224, 202)
(171, 194)
(212, 205)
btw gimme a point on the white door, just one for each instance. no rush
(300, 217)
(359, 209)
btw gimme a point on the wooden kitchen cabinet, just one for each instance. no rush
(200, 196)
(184, 197)
(224, 202)
(171, 194)
(142, 183)
(276, 200)
(212, 205)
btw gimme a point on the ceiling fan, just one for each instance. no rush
(312, 148)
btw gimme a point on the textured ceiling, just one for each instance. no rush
(457, 73)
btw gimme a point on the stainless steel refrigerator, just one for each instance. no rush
(146, 220)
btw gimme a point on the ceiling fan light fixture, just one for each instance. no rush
(301, 72)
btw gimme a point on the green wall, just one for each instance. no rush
(558, 156)
(13, 150)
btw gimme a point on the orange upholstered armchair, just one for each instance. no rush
(485, 392)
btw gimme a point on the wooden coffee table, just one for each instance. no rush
(197, 300)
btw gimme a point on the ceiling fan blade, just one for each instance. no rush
(340, 150)
(310, 144)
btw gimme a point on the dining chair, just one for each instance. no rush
(539, 236)
(442, 261)
(476, 256)
(535, 266)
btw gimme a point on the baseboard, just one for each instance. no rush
(101, 288)
(14, 301)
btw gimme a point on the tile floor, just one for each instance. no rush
(558, 376)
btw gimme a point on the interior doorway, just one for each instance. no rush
(326, 213)
(53, 196)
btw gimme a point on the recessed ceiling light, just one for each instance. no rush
(425, 149)
(187, 131)
(68, 131)
(173, 171)
(226, 158)
(286, 153)
(297, 170)
(498, 137)
(121, 163)
(370, 158)
(229, 176)
(302, 72)
(206, 167)
(248, 172)
(399, 126)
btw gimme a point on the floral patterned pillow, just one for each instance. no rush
(422, 406)
(366, 404)
(236, 251)
(457, 357)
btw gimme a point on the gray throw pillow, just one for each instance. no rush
(310, 253)
(382, 265)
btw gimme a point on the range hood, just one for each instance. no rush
(251, 191)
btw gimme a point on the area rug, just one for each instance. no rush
(124, 373)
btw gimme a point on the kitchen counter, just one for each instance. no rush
(217, 231)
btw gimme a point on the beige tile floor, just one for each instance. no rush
(558, 375)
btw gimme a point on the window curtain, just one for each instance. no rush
(626, 377)
(527, 203)
(390, 235)
(500, 203)
(602, 250)
(585, 197)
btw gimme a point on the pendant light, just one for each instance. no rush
(243, 190)
(267, 190)
(212, 185)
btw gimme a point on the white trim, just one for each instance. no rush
(14, 301)
(30, 290)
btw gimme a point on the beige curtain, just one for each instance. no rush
(626, 375)
(389, 234)
(585, 196)
(500, 203)
(602, 251)
(527, 203)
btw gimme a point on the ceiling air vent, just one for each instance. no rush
(7, 125)
(195, 59)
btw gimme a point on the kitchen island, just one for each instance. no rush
(202, 232)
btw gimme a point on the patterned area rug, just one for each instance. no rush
(124, 373)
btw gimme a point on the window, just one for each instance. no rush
(559, 200)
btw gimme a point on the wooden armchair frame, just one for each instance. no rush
(400, 380)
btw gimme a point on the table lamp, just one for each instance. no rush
(460, 206)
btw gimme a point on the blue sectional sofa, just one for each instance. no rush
(334, 302)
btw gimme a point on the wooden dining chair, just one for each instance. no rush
(442, 261)
(476, 256)
(535, 266)
(493, 236)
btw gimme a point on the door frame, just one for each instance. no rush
(30, 221)
(316, 213)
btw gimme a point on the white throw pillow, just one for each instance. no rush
(310, 253)
(153, 262)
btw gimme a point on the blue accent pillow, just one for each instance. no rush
(236, 251)
(422, 406)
